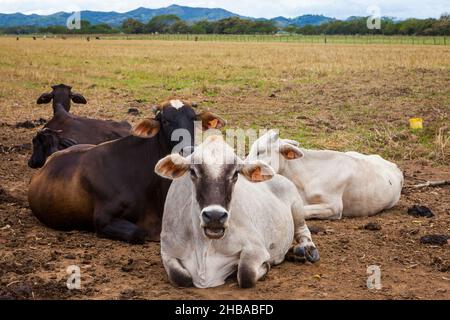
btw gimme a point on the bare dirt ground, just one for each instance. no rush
(343, 109)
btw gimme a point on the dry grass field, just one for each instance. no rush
(342, 97)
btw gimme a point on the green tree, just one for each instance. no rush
(267, 27)
(162, 23)
(102, 28)
(231, 25)
(442, 26)
(133, 26)
(203, 27)
(179, 27)
(291, 28)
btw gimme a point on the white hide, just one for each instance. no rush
(261, 226)
(177, 104)
(334, 184)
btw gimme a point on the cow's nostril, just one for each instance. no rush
(206, 216)
(223, 217)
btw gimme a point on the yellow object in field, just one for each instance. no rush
(416, 123)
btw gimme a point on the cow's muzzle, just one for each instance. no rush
(214, 221)
(33, 164)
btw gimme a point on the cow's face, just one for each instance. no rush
(45, 143)
(214, 170)
(61, 94)
(274, 151)
(177, 122)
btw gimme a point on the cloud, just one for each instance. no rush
(253, 8)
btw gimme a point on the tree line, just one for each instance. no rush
(419, 27)
(172, 24)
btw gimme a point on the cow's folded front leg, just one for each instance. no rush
(178, 275)
(253, 265)
(107, 226)
(305, 249)
(323, 211)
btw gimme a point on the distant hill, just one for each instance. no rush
(112, 18)
(307, 19)
(20, 19)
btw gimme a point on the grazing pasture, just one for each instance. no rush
(343, 97)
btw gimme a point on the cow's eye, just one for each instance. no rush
(193, 173)
(235, 175)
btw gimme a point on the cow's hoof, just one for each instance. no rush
(312, 254)
(295, 256)
(138, 237)
(302, 254)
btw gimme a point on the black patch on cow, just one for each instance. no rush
(246, 276)
(217, 190)
(172, 119)
(180, 279)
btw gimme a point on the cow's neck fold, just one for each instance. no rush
(201, 244)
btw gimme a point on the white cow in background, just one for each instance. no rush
(224, 215)
(332, 184)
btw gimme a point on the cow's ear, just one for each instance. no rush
(173, 166)
(78, 98)
(147, 128)
(211, 121)
(45, 98)
(293, 142)
(257, 171)
(290, 152)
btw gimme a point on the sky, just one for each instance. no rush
(253, 8)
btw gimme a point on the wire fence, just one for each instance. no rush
(324, 39)
(282, 38)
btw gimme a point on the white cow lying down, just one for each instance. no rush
(223, 214)
(332, 184)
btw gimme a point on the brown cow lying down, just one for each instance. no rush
(111, 188)
(66, 129)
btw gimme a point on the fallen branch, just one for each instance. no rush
(431, 184)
